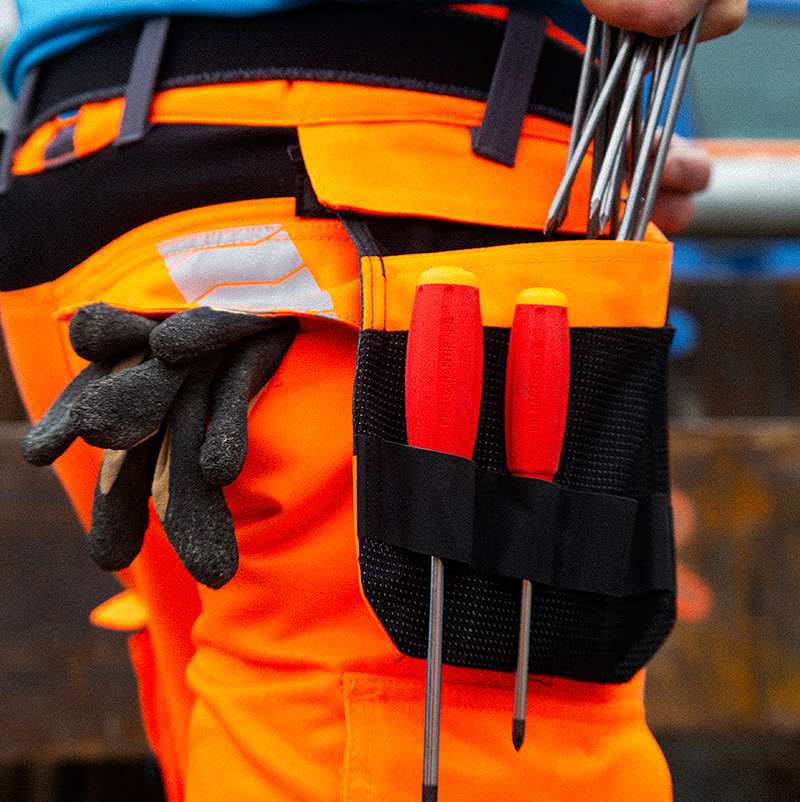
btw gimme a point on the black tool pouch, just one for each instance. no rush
(596, 543)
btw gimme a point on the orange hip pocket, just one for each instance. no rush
(583, 742)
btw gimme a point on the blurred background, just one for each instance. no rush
(724, 692)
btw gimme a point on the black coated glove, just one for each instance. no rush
(169, 402)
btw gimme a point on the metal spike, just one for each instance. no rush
(658, 98)
(669, 123)
(616, 143)
(581, 105)
(599, 106)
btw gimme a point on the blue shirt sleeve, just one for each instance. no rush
(49, 27)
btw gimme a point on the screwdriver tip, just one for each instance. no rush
(518, 733)
(430, 793)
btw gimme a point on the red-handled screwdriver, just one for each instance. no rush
(537, 391)
(444, 374)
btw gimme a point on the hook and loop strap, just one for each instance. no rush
(497, 137)
(142, 81)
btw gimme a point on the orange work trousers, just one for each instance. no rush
(283, 685)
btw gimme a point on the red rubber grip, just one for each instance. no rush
(537, 384)
(444, 363)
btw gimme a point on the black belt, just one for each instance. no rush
(406, 46)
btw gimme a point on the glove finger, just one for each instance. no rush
(99, 332)
(55, 431)
(128, 406)
(253, 363)
(120, 513)
(194, 513)
(200, 331)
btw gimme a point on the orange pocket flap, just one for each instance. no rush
(251, 256)
(607, 283)
(427, 168)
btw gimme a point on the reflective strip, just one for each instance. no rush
(291, 294)
(257, 268)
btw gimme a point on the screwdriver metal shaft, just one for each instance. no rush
(523, 665)
(433, 684)
(444, 374)
(536, 394)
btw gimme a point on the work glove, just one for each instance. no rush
(168, 401)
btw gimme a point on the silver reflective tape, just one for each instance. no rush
(253, 268)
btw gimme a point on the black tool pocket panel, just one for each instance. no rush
(596, 543)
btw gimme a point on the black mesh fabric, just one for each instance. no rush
(579, 636)
(615, 443)
(616, 435)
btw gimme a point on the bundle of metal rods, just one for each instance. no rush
(628, 133)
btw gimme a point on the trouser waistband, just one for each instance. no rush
(424, 48)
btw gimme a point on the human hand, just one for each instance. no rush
(687, 171)
(666, 17)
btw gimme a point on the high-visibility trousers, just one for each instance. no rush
(284, 684)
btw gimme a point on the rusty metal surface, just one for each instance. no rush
(66, 687)
(734, 665)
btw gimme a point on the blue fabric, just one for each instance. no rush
(48, 27)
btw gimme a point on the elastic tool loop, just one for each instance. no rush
(14, 133)
(497, 137)
(142, 81)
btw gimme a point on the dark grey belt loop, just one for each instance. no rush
(142, 81)
(497, 138)
(14, 133)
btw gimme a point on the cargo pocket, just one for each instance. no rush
(596, 543)
(600, 754)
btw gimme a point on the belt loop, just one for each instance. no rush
(14, 133)
(497, 138)
(142, 81)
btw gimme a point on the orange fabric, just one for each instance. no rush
(125, 612)
(130, 273)
(282, 685)
(597, 276)
(30, 158)
(156, 713)
(414, 148)
(428, 168)
(496, 12)
(501, 13)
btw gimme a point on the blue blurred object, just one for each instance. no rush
(767, 258)
(687, 333)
